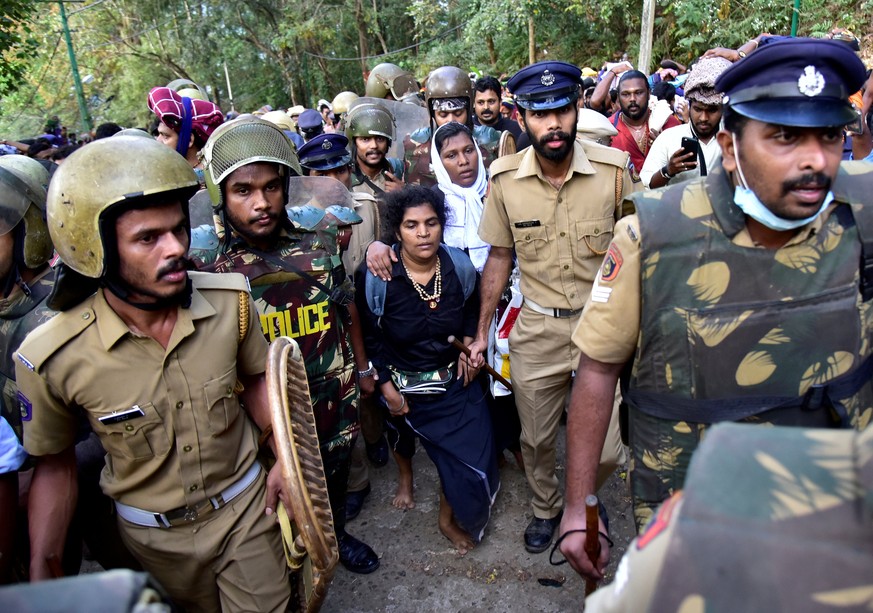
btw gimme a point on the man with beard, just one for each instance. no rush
(299, 285)
(370, 129)
(668, 162)
(168, 367)
(741, 296)
(555, 204)
(486, 107)
(636, 132)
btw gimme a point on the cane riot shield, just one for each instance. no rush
(408, 118)
(309, 538)
(507, 144)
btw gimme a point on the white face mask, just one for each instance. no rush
(752, 206)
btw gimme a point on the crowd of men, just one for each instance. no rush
(698, 256)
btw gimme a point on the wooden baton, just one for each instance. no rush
(592, 537)
(466, 350)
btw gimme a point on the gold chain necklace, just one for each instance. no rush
(640, 134)
(430, 299)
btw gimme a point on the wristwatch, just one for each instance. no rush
(371, 370)
(665, 174)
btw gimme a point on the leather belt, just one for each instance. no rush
(185, 515)
(559, 313)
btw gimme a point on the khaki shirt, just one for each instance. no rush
(363, 233)
(610, 324)
(364, 187)
(559, 236)
(193, 440)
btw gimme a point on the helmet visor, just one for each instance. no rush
(15, 197)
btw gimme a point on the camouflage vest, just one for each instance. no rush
(730, 333)
(772, 520)
(291, 305)
(417, 152)
(19, 315)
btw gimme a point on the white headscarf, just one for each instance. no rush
(465, 207)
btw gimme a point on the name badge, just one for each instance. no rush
(533, 223)
(117, 418)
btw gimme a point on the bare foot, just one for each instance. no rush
(451, 530)
(460, 539)
(403, 498)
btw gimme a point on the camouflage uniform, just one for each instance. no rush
(417, 149)
(717, 344)
(291, 306)
(376, 186)
(19, 314)
(757, 501)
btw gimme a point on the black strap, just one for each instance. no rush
(865, 233)
(337, 295)
(817, 397)
(700, 159)
(363, 177)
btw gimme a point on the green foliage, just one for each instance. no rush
(284, 52)
(17, 43)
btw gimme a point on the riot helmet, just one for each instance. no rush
(449, 84)
(370, 120)
(91, 186)
(245, 140)
(390, 79)
(23, 183)
(342, 101)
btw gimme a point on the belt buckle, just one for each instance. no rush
(190, 514)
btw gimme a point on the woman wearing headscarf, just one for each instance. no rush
(461, 176)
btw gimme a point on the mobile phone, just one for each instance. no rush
(690, 145)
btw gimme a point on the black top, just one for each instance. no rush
(410, 335)
(503, 125)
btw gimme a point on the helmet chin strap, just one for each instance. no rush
(123, 291)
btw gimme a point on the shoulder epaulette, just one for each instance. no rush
(605, 155)
(224, 280)
(48, 338)
(505, 163)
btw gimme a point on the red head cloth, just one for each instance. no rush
(170, 108)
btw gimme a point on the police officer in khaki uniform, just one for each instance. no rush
(161, 362)
(556, 205)
(720, 288)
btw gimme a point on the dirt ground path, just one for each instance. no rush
(421, 572)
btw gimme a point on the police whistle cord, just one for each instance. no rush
(592, 538)
(466, 351)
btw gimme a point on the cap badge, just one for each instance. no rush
(326, 145)
(548, 79)
(811, 82)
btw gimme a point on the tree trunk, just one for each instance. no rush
(492, 52)
(531, 41)
(363, 49)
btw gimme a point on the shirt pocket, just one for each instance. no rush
(222, 405)
(140, 438)
(533, 244)
(593, 236)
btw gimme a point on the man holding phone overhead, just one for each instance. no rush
(687, 151)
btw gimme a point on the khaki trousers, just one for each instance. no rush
(542, 360)
(231, 560)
